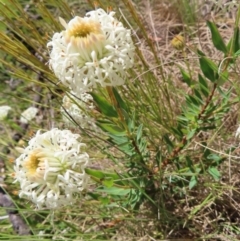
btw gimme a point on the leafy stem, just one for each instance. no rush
(124, 123)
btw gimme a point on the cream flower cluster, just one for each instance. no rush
(4, 109)
(78, 109)
(52, 168)
(94, 49)
(28, 115)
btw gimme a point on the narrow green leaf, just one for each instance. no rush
(191, 116)
(214, 173)
(158, 158)
(191, 134)
(234, 43)
(139, 132)
(177, 131)
(108, 182)
(119, 99)
(237, 53)
(131, 124)
(193, 101)
(203, 85)
(95, 173)
(93, 195)
(198, 96)
(101, 175)
(104, 200)
(223, 78)
(107, 177)
(216, 158)
(186, 77)
(119, 140)
(208, 68)
(115, 191)
(193, 182)
(105, 107)
(112, 129)
(127, 149)
(182, 118)
(168, 141)
(190, 165)
(216, 38)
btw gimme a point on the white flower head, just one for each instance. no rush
(94, 49)
(4, 109)
(52, 168)
(28, 115)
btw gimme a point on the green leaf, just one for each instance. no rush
(104, 200)
(234, 43)
(123, 144)
(198, 96)
(112, 129)
(120, 101)
(216, 158)
(216, 38)
(127, 149)
(119, 140)
(182, 118)
(186, 77)
(158, 158)
(105, 108)
(214, 173)
(168, 142)
(191, 134)
(223, 78)
(101, 175)
(190, 116)
(95, 173)
(190, 164)
(131, 124)
(193, 182)
(193, 101)
(108, 182)
(139, 132)
(203, 85)
(107, 177)
(115, 191)
(93, 195)
(177, 131)
(237, 53)
(208, 68)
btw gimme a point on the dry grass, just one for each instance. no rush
(211, 210)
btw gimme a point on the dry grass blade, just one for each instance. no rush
(164, 157)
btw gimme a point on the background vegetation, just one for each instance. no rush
(169, 169)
